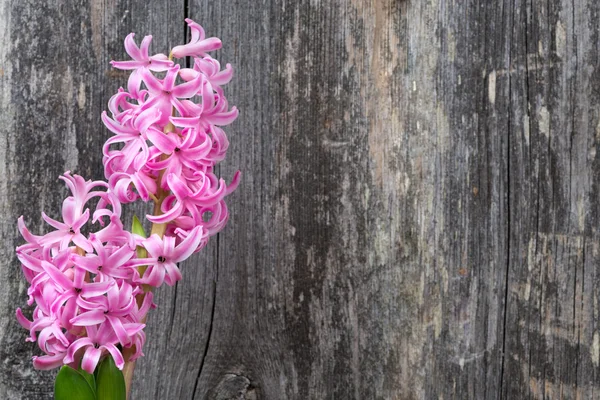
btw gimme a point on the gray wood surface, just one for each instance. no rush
(419, 211)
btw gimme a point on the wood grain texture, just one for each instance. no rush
(419, 210)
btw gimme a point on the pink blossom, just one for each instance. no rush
(186, 150)
(114, 308)
(100, 339)
(165, 95)
(108, 262)
(141, 61)
(158, 62)
(198, 45)
(164, 256)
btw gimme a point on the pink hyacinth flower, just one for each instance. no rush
(187, 151)
(113, 308)
(198, 45)
(100, 339)
(141, 59)
(164, 256)
(165, 95)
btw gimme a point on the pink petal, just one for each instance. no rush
(75, 346)
(234, 182)
(116, 355)
(25, 232)
(69, 310)
(208, 97)
(154, 246)
(185, 122)
(25, 323)
(70, 211)
(115, 127)
(126, 301)
(146, 305)
(82, 242)
(134, 82)
(60, 300)
(188, 89)
(119, 257)
(146, 119)
(93, 304)
(154, 276)
(174, 274)
(164, 142)
(138, 262)
(81, 220)
(96, 288)
(197, 49)
(169, 81)
(188, 245)
(168, 216)
(141, 187)
(119, 330)
(127, 65)
(133, 328)
(58, 277)
(159, 63)
(152, 82)
(113, 297)
(187, 74)
(29, 262)
(132, 49)
(225, 118)
(178, 187)
(196, 30)
(54, 223)
(144, 46)
(94, 317)
(89, 263)
(90, 359)
(222, 77)
(48, 362)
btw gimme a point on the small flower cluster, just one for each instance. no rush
(167, 136)
(83, 290)
(90, 289)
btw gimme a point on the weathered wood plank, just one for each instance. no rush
(553, 272)
(418, 216)
(371, 254)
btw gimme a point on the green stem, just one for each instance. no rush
(158, 229)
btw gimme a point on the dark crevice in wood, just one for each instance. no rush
(578, 347)
(173, 309)
(557, 257)
(531, 157)
(573, 109)
(508, 203)
(186, 14)
(186, 37)
(573, 130)
(212, 320)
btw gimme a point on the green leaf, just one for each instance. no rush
(110, 384)
(71, 385)
(89, 378)
(137, 228)
(140, 251)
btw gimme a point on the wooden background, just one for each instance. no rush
(420, 204)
